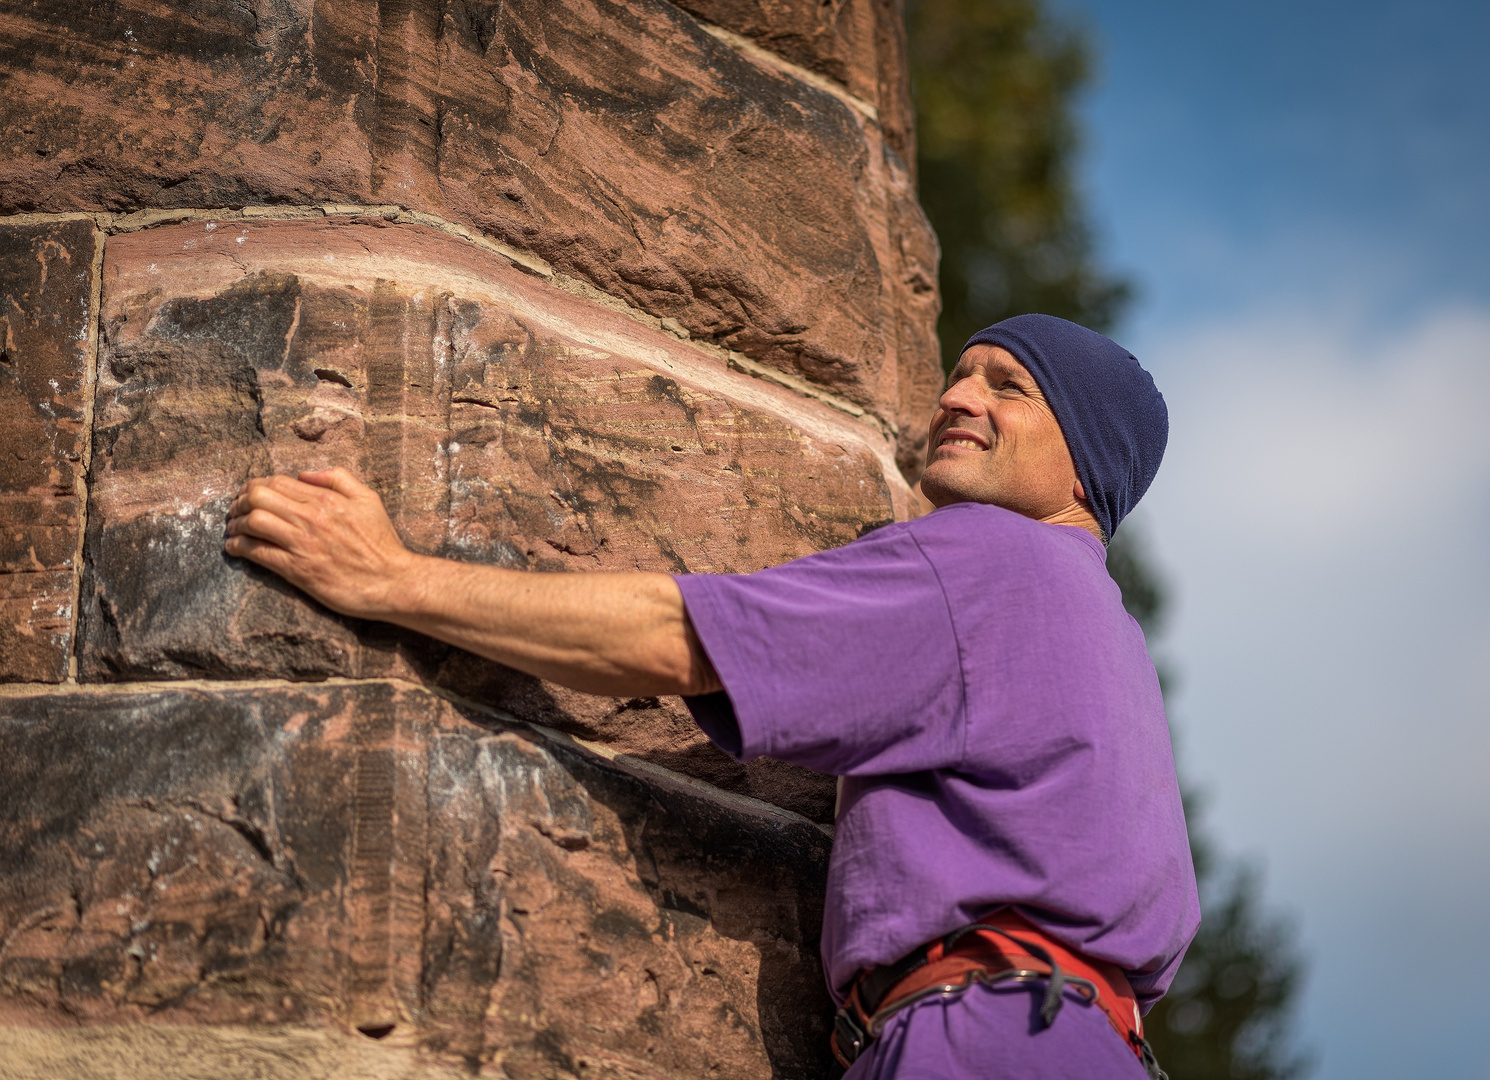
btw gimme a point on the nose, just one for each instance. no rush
(961, 397)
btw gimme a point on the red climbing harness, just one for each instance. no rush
(1004, 947)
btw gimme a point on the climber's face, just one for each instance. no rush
(994, 439)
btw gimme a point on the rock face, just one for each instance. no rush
(373, 857)
(858, 44)
(576, 285)
(504, 421)
(623, 143)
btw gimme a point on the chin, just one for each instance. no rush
(939, 485)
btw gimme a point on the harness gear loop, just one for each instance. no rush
(1056, 981)
(1004, 947)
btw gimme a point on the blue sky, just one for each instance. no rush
(1302, 193)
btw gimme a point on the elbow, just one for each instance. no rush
(700, 682)
(687, 673)
(699, 676)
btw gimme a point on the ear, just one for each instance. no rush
(1079, 491)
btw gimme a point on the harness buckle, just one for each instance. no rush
(849, 1037)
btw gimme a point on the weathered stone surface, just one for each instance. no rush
(621, 142)
(369, 857)
(46, 311)
(149, 104)
(503, 420)
(357, 876)
(36, 624)
(858, 43)
(211, 1052)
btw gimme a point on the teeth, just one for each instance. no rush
(961, 442)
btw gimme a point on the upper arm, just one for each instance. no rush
(845, 662)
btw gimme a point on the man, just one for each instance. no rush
(970, 674)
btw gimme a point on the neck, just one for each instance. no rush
(1078, 514)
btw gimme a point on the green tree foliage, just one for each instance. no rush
(993, 82)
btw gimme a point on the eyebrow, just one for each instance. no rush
(960, 370)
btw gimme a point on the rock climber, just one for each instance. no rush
(1010, 885)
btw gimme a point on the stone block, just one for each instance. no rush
(46, 314)
(620, 142)
(503, 421)
(365, 858)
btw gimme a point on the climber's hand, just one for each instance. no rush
(326, 533)
(623, 634)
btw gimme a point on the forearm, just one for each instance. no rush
(622, 634)
(328, 534)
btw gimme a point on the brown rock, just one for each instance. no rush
(36, 623)
(46, 313)
(503, 420)
(917, 307)
(201, 103)
(375, 859)
(622, 143)
(406, 865)
(857, 43)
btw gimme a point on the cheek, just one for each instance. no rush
(1047, 451)
(1011, 422)
(938, 418)
(1034, 439)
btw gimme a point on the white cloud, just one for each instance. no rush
(1324, 506)
(1324, 510)
(1290, 432)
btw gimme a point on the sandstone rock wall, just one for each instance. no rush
(268, 857)
(576, 284)
(758, 204)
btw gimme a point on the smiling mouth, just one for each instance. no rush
(962, 440)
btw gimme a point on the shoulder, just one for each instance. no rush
(980, 533)
(961, 544)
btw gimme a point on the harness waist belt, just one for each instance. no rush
(1004, 947)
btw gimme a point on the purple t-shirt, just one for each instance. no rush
(973, 676)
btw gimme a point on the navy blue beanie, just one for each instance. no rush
(1109, 409)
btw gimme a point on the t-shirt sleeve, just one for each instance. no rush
(845, 662)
